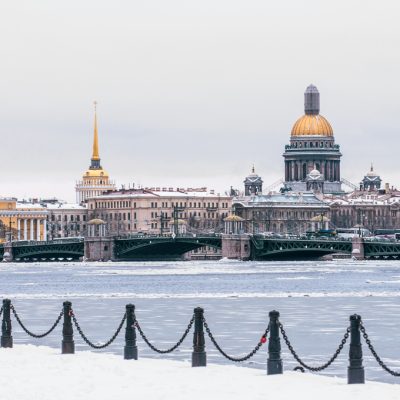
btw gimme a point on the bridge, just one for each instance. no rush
(162, 247)
(296, 249)
(148, 248)
(381, 250)
(55, 250)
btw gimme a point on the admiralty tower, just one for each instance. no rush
(95, 180)
(312, 159)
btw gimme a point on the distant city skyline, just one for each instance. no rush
(191, 94)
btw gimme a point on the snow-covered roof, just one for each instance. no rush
(365, 198)
(29, 206)
(287, 199)
(145, 193)
(65, 206)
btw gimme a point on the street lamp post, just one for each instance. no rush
(176, 212)
(10, 229)
(162, 219)
(322, 220)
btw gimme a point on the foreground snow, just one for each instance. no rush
(30, 372)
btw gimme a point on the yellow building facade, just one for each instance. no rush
(22, 221)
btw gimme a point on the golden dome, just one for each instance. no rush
(179, 222)
(96, 221)
(233, 218)
(312, 125)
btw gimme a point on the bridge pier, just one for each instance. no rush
(8, 255)
(99, 248)
(357, 248)
(236, 247)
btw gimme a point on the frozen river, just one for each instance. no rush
(315, 300)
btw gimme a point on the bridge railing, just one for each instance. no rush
(306, 239)
(21, 243)
(169, 236)
(356, 331)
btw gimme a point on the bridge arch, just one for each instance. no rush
(161, 248)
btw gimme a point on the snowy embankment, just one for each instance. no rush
(42, 373)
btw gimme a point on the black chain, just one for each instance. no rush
(374, 353)
(34, 335)
(235, 359)
(321, 367)
(171, 349)
(98, 346)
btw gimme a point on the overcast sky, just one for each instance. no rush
(191, 93)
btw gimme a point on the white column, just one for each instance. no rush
(38, 229)
(19, 228)
(31, 235)
(45, 229)
(25, 229)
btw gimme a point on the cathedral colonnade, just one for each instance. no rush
(298, 170)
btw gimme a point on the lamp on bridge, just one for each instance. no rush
(10, 229)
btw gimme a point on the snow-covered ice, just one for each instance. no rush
(315, 300)
(42, 373)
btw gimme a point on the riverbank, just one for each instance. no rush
(31, 372)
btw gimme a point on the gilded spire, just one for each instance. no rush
(95, 155)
